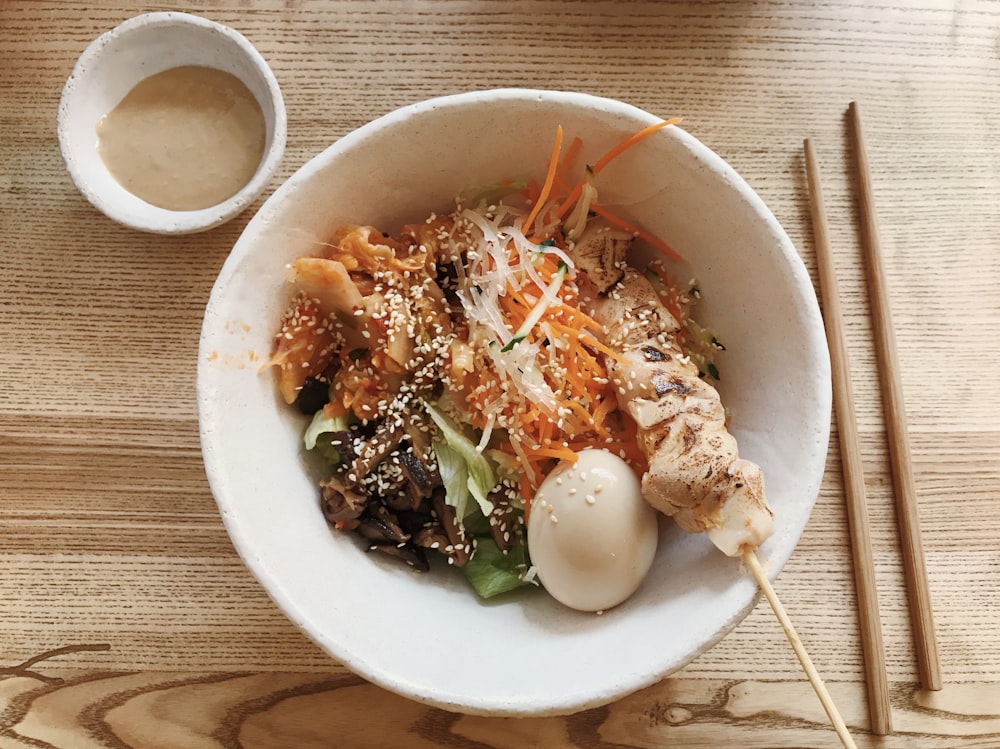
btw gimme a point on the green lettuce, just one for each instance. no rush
(319, 434)
(479, 477)
(491, 572)
(455, 477)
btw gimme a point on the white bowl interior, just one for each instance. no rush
(427, 636)
(131, 52)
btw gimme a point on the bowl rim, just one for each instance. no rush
(155, 219)
(570, 701)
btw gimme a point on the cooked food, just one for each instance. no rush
(592, 537)
(695, 474)
(500, 364)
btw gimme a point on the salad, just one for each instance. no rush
(449, 368)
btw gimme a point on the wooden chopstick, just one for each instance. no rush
(879, 707)
(917, 588)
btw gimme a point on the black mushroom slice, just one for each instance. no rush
(421, 479)
(412, 555)
(418, 432)
(386, 535)
(419, 463)
(459, 547)
(383, 443)
(379, 525)
(390, 486)
(313, 395)
(432, 537)
(341, 503)
(343, 443)
(414, 521)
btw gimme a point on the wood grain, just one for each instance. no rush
(898, 436)
(869, 621)
(108, 531)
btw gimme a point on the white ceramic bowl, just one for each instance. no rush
(427, 636)
(122, 57)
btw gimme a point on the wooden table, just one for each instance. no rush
(126, 618)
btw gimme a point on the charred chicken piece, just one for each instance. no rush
(695, 472)
(600, 253)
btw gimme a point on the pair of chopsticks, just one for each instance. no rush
(918, 593)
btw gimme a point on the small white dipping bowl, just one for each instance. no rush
(118, 60)
(427, 636)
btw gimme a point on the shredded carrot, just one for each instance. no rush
(603, 409)
(544, 430)
(559, 452)
(567, 161)
(550, 176)
(574, 360)
(645, 236)
(631, 141)
(577, 334)
(612, 154)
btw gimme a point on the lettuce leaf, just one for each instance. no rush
(320, 432)
(491, 572)
(455, 477)
(481, 478)
(321, 423)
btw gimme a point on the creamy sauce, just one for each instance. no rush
(184, 139)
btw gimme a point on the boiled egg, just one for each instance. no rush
(591, 535)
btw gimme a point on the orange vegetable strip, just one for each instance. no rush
(544, 429)
(576, 383)
(618, 150)
(550, 176)
(629, 142)
(560, 452)
(530, 192)
(514, 296)
(643, 235)
(588, 418)
(529, 416)
(585, 320)
(515, 314)
(586, 338)
(567, 161)
(603, 409)
(575, 336)
(571, 154)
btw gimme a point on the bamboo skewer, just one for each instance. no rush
(751, 561)
(918, 590)
(879, 706)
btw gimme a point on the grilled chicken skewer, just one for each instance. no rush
(695, 473)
